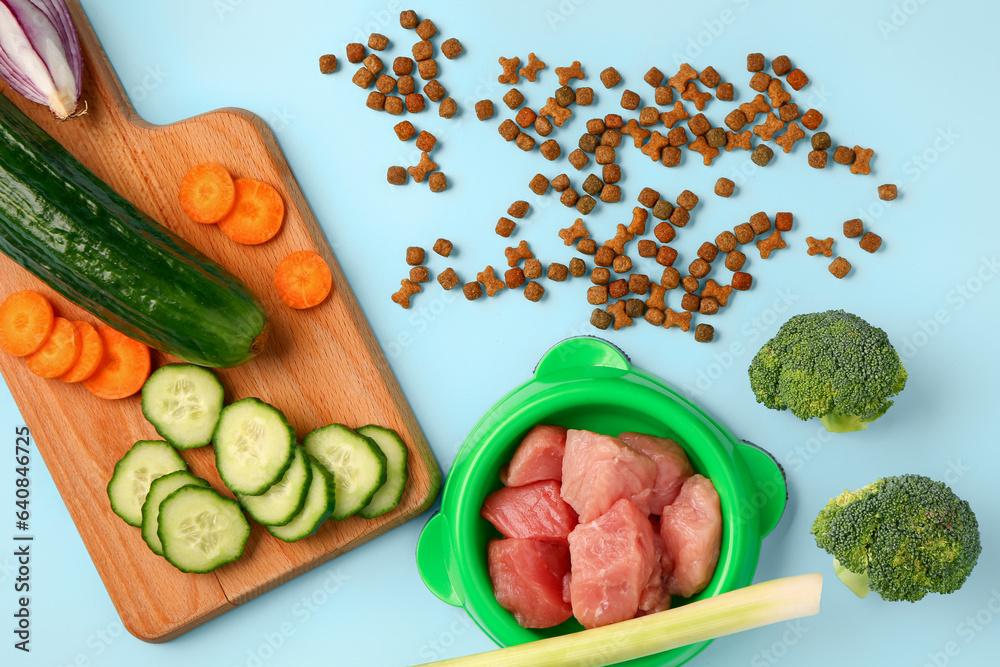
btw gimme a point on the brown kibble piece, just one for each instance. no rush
(861, 158)
(757, 105)
(394, 105)
(604, 256)
(635, 308)
(612, 173)
(513, 99)
(738, 140)
(374, 64)
(680, 320)
(820, 246)
(525, 117)
(560, 182)
(649, 116)
(654, 316)
(653, 77)
(415, 255)
(726, 242)
(531, 70)
(451, 48)
(378, 41)
(840, 267)
(534, 292)
(558, 272)
(425, 166)
(550, 148)
(426, 29)
(691, 302)
(704, 333)
(588, 142)
(408, 19)
(677, 136)
(448, 279)
(767, 129)
(797, 79)
(716, 292)
(760, 81)
(622, 319)
(585, 204)
(871, 242)
(584, 96)
(666, 256)
(887, 192)
(817, 159)
(565, 96)
(648, 197)
(680, 80)
(820, 141)
(716, 137)
(600, 275)
(724, 92)
(524, 141)
(406, 290)
(783, 221)
(708, 153)
(355, 52)
(448, 108)
(611, 137)
(788, 112)
(622, 236)
(760, 223)
(742, 281)
(376, 101)
(791, 135)
(708, 251)
(597, 295)
(843, 155)
(755, 62)
(647, 248)
(604, 154)
(621, 264)
(406, 85)
(708, 306)
(679, 113)
(610, 77)
(630, 100)
(328, 63)
(663, 95)
(735, 260)
(578, 159)
(437, 182)
(781, 65)
(443, 247)
(812, 119)
(518, 209)
(427, 69)
(638, 224)
(618, 288)
(854, 228)
(514, 277)
(687, 200)
(770, 244)
(558, 113)
(472, 290)
(736, 120)
(569, 197)
(671, 278)
(662, 209)
(744, 232)
(509, 130)
(709, 77)
(680, 217)
(778, 94)
(396, 175)
(600, 319)
(404, 130)
(385, 84)
(363, 77)
(426, 141)
(699, 268)
(532, 268)
(419, 274)
(571, 72)
(611, 193)
(577, 267)
(484, 109)
(657, 296)
(505, 227)
(724, 187)
(762, 155)
(539, 184)
(699, 124)
(664, 232)
(574, 233)
(693, 94)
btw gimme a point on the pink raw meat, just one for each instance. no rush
(599, 470)
(654, 596)
(535, 511)
(539, 456)
(691, 528)
(528, 580)
(612, 560)
(672, 466)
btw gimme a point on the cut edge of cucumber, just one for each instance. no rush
(284, 499)
(223, 461)
(387, 497)
(178, 548)
(183, 432)
(329, 445)
(127, 503)
(155, 497)
(319, 505)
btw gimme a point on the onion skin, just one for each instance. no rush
(40, 56)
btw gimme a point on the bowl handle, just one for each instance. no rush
(580, 352)
(432, 559)
(768, 501)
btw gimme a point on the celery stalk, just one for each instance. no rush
(743, 609)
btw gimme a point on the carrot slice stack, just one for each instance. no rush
(303, 279)
(59, 351)
(256, 215)
(207, 193)
(26, 320)
(124, 366)
(91, 351)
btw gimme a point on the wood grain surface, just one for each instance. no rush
(321, 365)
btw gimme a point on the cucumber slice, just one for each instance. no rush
(201, 530)
(317, 508)
(158, 490)
(253, 446)
(283, 499)
(183, 402)
(387, 497)
(357, 465)
(143, 462)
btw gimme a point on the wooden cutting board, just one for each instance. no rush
(321, 365)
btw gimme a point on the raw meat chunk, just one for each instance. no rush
(539, 456)
(691, 529)
(654, 596)
(535, 511)
(528, 580)
(672, 466)
(599, 470)
(613, 558)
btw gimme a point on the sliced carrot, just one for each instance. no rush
(26, 320)
(91, 351)
(207, 193)
(59, 351)
(303, 279)
(124, 366)
(256, 215)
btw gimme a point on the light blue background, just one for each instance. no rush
(914, 79)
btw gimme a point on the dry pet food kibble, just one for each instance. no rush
(854, 228)
(508, 130)
(887, 192)
(385, 84)
(419, 274)
(724, 187)
(630, 100)
(577, 267)
(843, 155)
(396, 175)
(533, 291)
(427, 69)
(687, 200)
(374, 64)
(539, 184)
(448, 278)
(525, 117)
(426, 141)
(726, 242)
(691, 302)
(420, 170)
(437, 182)
(327, 63)
(394, 105)
(788, 112)
(622, 318)
(791, 135)
(565, 96)
(755, 62)
(363, 78)
(621, 264)
(448, 108)
(408, 19)
(376, 101)
(680, 80)
(783, 221)
(600, 319)
(414, 102)
(708, 306)
(402, 65)
(567, 73)
(820, 246)
(708, 153)
(514, 277)
(513, 99)
(797, 79)
(760, 81)
(558, 272)
(484, 109)
(531, 70)
(515, 255)
(451, 48)
(597, 295)
(821, 141)
(704, 333)
(770, 244)
(406, 289)
(578, 159)
(355, 52)
(812, 119)
(709, 77)
(505, 227)
(585, 204)
(817, 159)
(735, 260)
(378, 41)
(488, 278)
(415, 255)
(532, 268)
(840, 267)
(724, 92)
(518, 209)
(681, 320)
(760, 223)
(861, 158)
(426, 29)
(708, 251)
(762, 155)
(584, 96)
(742, 281)
(699, 268)
(715, 291)
(406, 84)
(472, 290)
(871, 242)
(443, 247)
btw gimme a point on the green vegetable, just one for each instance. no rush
(743, 609)
(183, 403)
(832, 365)
(201, 530)
(902, 537)
(76, 234)
(144, 462)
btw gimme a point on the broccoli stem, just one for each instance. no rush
(837, 423)
(859, 584)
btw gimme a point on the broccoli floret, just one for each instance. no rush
(832, 365)
(902, 537)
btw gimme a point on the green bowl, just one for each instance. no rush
(586, 383)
